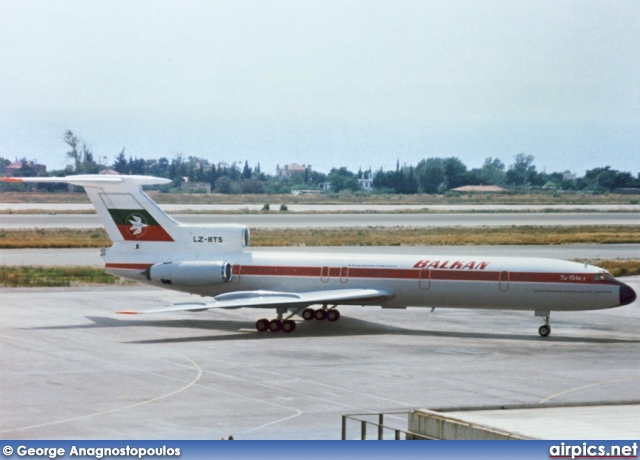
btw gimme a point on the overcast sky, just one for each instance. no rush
(326, 83)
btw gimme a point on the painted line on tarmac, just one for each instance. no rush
(583, 387)
(97, 414)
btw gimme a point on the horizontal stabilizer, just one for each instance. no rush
(272, 299)
(92, 180)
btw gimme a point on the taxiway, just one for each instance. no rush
(74, 369)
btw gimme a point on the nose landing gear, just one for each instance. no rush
(545, 329)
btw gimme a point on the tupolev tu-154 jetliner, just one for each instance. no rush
(215, 261)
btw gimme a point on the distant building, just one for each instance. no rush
(286, 171)
(366, 181)
(479, 189)
(17, 166)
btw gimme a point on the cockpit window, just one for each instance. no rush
(604, 276)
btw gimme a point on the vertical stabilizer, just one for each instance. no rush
(126, 212)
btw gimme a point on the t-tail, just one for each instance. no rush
(129, 215)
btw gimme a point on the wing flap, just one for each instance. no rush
(272, 299)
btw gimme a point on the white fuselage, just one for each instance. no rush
(415, 281)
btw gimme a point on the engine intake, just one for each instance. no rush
(190, 273)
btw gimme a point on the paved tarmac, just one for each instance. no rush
(71, 368)
(292, 220)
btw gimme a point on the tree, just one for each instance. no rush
(342, 179)
(89, 165)
(72, 141)
(246, 171)
(606, 179)
(455, 172)
(430, 175)
(223, 184)
(493, 171)
(3, 164)
(177, 167)
(523, 171)
(251, 186)
(410, 182)
(83, 157)
(120, 163)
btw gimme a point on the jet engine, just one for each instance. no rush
(194, 273)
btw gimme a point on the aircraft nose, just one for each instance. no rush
(627, 294)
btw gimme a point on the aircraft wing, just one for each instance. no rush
(272, 299)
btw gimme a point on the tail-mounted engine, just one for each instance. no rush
(190, 273)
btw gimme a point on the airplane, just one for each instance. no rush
(215, 261)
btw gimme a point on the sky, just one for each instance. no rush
(330, 83)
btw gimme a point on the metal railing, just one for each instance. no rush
(379, 430)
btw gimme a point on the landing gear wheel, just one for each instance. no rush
(275, 325)
(262, 325)
(309, 314)
(321, 315)
(544, 330)
(333, 315)
(288, 326)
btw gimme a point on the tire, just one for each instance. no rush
(321, 315)
(262, 325)
(333, 315)
(275, 325)
(544, 330)
(309, 314)
(288, 326)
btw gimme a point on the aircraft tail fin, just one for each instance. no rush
(126, 212)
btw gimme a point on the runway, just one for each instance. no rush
(74, 369)
(292, 220)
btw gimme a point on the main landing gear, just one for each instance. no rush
(545, 329)
(330, 315)
(287, 325)
(275, 325)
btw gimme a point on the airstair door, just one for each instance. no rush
(504, 281)
(324, 274)
(425, 279)
(344, 274)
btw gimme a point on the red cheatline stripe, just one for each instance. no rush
(11, 179)
(411, 273)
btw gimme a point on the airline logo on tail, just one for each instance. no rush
(138, 225)
(134, 222)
